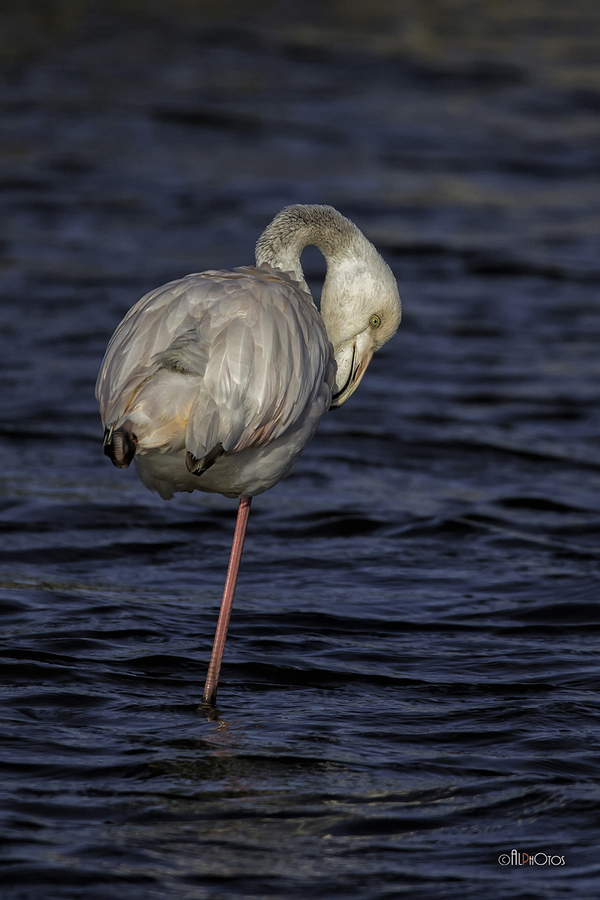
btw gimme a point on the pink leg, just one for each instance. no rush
(214, 667)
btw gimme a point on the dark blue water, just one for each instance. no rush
(411, 682)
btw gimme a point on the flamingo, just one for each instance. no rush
(218, 380)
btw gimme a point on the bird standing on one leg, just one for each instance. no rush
(216, 382)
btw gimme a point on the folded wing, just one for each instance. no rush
(229, 358)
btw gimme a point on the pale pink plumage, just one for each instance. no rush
(238, 358)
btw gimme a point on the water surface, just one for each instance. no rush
(411, 682)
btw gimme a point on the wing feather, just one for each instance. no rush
(220, 357)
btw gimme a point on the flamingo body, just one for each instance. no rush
(239, 359)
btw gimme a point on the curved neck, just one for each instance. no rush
(295, 227)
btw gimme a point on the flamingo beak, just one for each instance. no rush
(352, 358)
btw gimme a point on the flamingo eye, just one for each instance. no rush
(374, 321)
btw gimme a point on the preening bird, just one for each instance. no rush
(217, 381)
